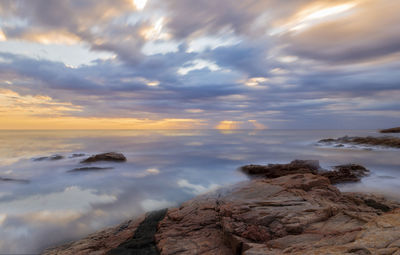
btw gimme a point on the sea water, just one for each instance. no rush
(48, 204)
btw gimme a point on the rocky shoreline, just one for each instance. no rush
(371, 141)
(298, 211)
(391, 130)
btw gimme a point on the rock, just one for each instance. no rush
(391, 130)
(52, 157)
(293, 214)
(4, 179)
(385, 141)
(110, 156)
(85, 169)
(277, 170)
(301, 213)
(346, 173)
(342, 173)
(143, 241)
(77, 155)
(100, 242)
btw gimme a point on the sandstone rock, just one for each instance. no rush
(391, 130)
(292, 214)
(98, 243)
(110, 156)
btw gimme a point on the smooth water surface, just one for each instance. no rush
(49, 205)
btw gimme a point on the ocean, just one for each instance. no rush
(43, 203)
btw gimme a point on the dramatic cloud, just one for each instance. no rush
(203, 64)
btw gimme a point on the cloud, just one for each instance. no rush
(205, 61)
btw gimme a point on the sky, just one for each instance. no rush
(179, 64)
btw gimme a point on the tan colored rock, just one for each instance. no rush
(100, 242)
(293, 214)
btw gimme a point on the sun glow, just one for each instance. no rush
(139, 4)
(2, 36)
(312, 15)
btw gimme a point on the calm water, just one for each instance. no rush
(163, 169)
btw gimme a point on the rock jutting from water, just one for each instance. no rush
(109, 156)
(88, 169)
(52, 157)
(391, 130)
(339, 174)
(297, 213)
(384, 141)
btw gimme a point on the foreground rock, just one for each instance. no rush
(385, 141)
(391, 130)
(110, 156)
(292, 214)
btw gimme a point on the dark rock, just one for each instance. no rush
(77, 155)
(110, 156)
(52, 157)
(374, 204)
(391, 130)
(84, 169)
(5, 179)
(385, 141)
(142, 242)
(346, 173)
(277, 170)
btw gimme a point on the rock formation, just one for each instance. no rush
(297, 213)
(109, 156)
(391, 130)
(385, 141)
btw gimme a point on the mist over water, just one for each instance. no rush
(50, 205)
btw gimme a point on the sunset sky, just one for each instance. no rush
(226, 64)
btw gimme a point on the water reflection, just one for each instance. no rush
(163, 169)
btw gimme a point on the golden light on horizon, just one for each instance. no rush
(2, 36)
(228, 125)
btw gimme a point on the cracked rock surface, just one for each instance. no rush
(299, 213)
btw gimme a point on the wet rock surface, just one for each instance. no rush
(298, 213)
(391, 130)
(109, 156)
(384, 141)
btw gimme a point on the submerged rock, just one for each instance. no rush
(346, 173)
(292, 214)
(339, 174)
(52, 157)
(277, 170)
(77, 155)
(391, 130)
(110, 156)
(85, 169)
(385, 141)
(6, 179)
